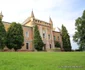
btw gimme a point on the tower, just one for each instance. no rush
(1, 15)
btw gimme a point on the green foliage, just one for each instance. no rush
(79, 35)
(15, 36)
(66, 39)
(2, 35)
(57, 44)
(38, 43)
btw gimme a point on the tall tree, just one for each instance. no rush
(2, 35)
(38, 43)
(15, 36)
(66, 39)
(79, 35)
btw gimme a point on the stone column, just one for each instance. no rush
(52, 38)
(47, 42)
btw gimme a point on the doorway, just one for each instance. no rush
(50, 46)
(27, 45)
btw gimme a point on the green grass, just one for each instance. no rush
(42, 60)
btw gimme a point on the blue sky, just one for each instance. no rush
(61, 11)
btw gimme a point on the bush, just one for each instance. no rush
(57, 44)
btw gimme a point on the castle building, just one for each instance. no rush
(47, 33)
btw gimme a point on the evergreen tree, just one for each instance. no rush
(15, 36)
(38, 43)
(66, 39)
(2, 35)
(79, 35)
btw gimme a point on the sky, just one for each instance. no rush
(61, 12)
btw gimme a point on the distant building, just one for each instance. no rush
(47, 33)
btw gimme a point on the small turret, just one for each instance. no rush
(32, 14)
(50, 20)
(1, 15)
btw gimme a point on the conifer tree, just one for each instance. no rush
(66, 39)
(38, 43)
(2, 35)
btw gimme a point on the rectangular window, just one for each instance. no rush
(50, 46)
(27, 34)
(43, 35)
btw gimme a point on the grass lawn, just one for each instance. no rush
(42, 60)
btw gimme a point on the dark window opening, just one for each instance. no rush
(27, 45)
(43, 35)
(50, 46)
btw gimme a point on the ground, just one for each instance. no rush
(42, 60)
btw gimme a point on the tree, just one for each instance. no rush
(79, 35)
(38, 43)
(2, 35)
(57, 44)
(15, 36)
(66, 39)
